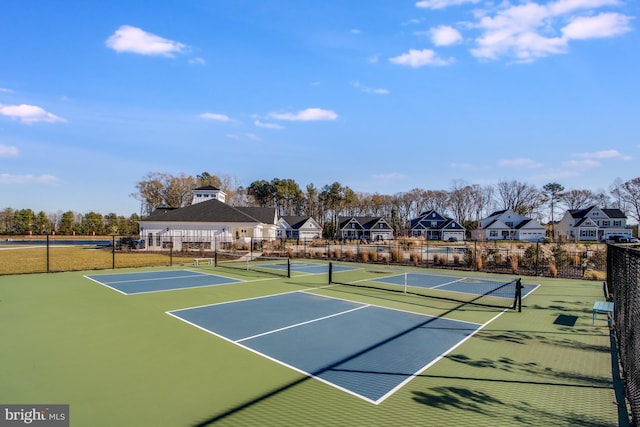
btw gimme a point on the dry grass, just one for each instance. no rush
(34, 259)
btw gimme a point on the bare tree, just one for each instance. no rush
(579, 199)
(520, 197)
(460, 201)
(630, 195)
(150, 192)
(178, 190)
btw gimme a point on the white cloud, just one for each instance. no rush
(366, 89)
(373, 59)
(561, 7)
(599, 26)
(134, 40)
(461, 165)
(581, 164)
(244, 136)
(8, 151)
(216, 117)
(532, 30)
(29, 114)
(419, 58)
(260, 124)
(604, 154)
(310, 114)
(441, 4)
(10, 179)
(520, 163)
(5, 90)
(445, 35)
(198, 61)
(355, 31)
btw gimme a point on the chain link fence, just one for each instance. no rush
(54, 253)
(623, 281)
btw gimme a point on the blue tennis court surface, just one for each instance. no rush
(365, 350)
(454, 284)
(136, 283)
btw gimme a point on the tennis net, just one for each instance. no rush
(277, 266)
(467, 290)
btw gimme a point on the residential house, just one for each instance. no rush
(364, 227)
(592, 224)
(434, 226)
(208, 223)
(298, 227)
(508, 225)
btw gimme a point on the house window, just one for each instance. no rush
(158, 239)
(150, 239)
(509, 223)
(605, 223)
(493, 233)
(617, 223)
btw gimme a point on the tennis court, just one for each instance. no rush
(137, 283)
(365, 350)
(460, 284)
(276, 350)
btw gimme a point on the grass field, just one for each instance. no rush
(20, 259)
(121, 360)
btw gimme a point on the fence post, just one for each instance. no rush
(47, 253)
(537, 256)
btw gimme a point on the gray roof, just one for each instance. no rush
(213, 211)
(611, 213)
(294, 221)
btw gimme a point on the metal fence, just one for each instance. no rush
(568, 260)
(623, 281)
(48, 254)
(536, 259)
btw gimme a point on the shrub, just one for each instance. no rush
(514, 264)
(456, 259)
(350, 254)
(414, 257)
(595, 275)
(479, 263)
(365, 256)
(397, 254)
(553, 269)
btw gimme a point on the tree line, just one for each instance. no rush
(464, 202)
(26, 221)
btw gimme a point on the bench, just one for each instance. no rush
(199, 261)
(602, 307)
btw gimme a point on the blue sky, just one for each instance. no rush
(381, 96)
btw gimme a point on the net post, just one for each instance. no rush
(519, 294)
(288, 268)
(330, 272)
(405, 282)
(215, 258)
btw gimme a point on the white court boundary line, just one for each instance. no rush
(197, 274)
(239, 342)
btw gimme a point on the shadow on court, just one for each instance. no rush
(332, 367)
